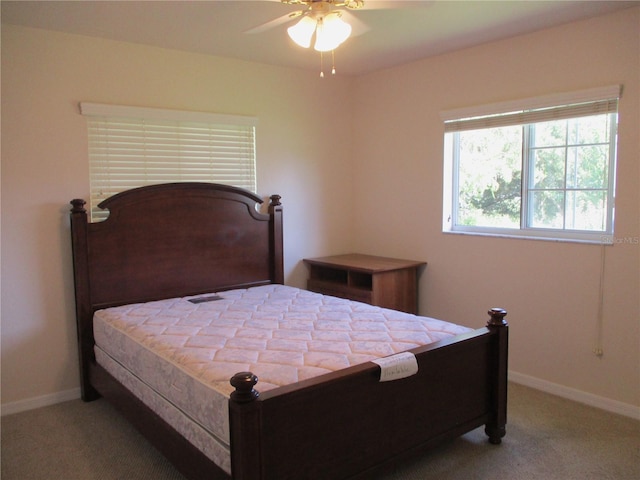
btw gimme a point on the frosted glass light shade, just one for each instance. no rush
(302, 31)
(331, 32)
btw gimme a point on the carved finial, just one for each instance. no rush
(78, 205)
(275, 200)
(497, 317)
(243, 382)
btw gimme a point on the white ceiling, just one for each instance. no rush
(407, 31)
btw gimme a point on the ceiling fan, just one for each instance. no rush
(329, 21)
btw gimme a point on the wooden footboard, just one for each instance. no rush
(346, 424)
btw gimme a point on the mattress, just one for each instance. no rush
(178, 354)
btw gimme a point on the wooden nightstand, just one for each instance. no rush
(385, 282)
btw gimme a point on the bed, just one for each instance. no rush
(186, 249)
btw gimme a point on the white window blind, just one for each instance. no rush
(131, 147)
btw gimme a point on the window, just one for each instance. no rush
(540, 168)
(131, 147)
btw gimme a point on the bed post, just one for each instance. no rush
(277, 267)
(244, 424)
(83, 298)
(496, 427)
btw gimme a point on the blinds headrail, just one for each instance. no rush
(533, 110)
(122, 111)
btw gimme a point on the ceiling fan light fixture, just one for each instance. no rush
(302, 31)
(331, 32)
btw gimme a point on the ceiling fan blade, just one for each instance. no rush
(358, 27)
(274, 23)
(391, 4)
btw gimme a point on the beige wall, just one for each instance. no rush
(359, 165)
(303, 148)
(550, 289)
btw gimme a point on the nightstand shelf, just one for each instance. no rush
(385, 282)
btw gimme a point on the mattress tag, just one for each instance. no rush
(397, 366)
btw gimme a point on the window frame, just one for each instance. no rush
(539, 109)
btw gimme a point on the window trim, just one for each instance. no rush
(576, 104)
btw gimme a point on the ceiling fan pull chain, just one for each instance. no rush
(333, 62)
(321, 65)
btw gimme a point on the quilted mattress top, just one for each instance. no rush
(282, 334)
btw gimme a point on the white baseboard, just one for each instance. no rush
(579, 396)
(37, 402)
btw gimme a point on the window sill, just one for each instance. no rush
(602, 239)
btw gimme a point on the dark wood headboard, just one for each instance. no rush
(171, 240)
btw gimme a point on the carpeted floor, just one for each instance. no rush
(547, 438)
